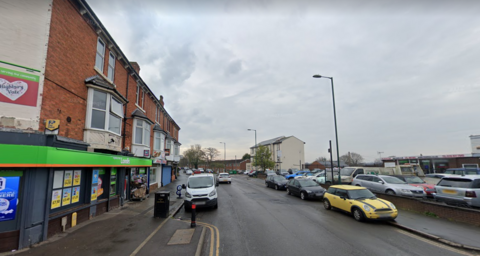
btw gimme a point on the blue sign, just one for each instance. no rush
(8, 197)
(95, 176)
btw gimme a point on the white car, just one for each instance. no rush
(200, 190)
(189, 172)
(224, 177)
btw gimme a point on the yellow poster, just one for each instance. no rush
(56, 198)
(77, 175)
(75, 195)
(67, 179)
(67, 195)
(94, 194)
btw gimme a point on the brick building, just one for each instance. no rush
(80, 130)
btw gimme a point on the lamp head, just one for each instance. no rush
(317, 76)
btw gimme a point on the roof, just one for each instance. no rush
(138, 113)
(157, 127)
(100, 82)
(276, 140)
(347, 187)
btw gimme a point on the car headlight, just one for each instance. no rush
(406, 191)
(187, 195)
(393, 206)
(214, 192)
(367, 208)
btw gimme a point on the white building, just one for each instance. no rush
(287, 152)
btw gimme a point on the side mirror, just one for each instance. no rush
(183, 186)
(381, 182)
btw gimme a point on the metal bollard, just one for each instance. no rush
(194, 212)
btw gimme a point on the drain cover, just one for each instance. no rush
(181, 236)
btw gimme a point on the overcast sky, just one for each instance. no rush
(406, 73)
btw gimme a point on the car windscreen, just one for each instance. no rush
(279, 178)
(393, 180)
(308, 183)
(346, 171)
(360, 194)
(200, 182)
(455, 183)
(414, 180)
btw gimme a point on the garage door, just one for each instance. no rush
(166, 175)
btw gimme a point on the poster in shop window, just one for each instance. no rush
(94, 193)
(66, 196)
(58, 179)
(77, 175)
(75, 195)
(8, 197)
(56, 198)
(67, 179)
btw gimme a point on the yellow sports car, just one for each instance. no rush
(360, 202)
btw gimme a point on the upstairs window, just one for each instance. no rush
(138, 94)
(106, 112)
(100, 57)
(111, 66)
(142, 133)
(156, 141)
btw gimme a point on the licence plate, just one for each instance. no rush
(449, 191)
(200, 203)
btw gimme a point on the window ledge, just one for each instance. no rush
(106, 78)
(100, 130)
(140, 108)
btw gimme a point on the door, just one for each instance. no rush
(376, 185)
(166, 175)
(342, 200)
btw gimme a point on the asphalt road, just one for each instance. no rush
(255, 220)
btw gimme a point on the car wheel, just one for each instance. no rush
(358, 215)
(303, 196)
(288, 192)
(276, 187)
(187, 209)
(390, 192)
(326, 204)
(266, 185)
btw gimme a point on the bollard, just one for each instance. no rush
(194, 212)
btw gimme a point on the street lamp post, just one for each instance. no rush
(335, 121)
(255, 148)
(224, 155)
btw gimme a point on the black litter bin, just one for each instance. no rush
(162, 204)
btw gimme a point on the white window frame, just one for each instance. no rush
(146, 127)
(157, 145)
(162, 142)
(138, 94)
(111, 75)
(143, 99)
(100, 55)
(463, 166)
(107, 111)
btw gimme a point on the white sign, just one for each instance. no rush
(389, 164)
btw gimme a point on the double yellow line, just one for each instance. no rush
(213, 233)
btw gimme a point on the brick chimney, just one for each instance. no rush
(161, 100)
(135, 66)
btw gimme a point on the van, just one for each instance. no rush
(201, 190)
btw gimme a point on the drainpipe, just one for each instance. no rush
(125, 117)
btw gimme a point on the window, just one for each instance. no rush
(169, 144)
(156, 114)
(153, 176)
(142, 133)
(111, 66)
(138, 93)
(106, 111)
(99, 59)
(66, 188)
(156, 141)
(143, 99)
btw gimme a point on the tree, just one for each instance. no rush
(183, 162)
(321, 159)
(246, 156)
(352, 158)
(262, 158)
(210, 154)
(194, 155)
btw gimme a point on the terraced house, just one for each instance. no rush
(80, 130)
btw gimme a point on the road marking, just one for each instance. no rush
(437, 244)
(217, 235)
(213, 233)
(148, 238)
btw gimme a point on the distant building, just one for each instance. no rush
(287, 152)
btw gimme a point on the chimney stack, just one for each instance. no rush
(161, 100)
(135, 66)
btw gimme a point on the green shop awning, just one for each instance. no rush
(41, 156)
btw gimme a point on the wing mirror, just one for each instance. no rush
(183, 186)
(381, 182)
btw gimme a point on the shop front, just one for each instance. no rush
(45, 190)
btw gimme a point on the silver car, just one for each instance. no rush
(464, 191)
(387, 185)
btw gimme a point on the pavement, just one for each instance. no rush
(129, 230)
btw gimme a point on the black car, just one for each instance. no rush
(276, 181)
(305, 188)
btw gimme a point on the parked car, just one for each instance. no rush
(305, 188)
(360, 202)
(209, 171)
(200, 190)
(247, 172)
(224, 177)
(417, 182)
(463, 191)
(276, 181)
(197, 171)
(387, 184)
(189, 172)
(299, 173)
(270, 172)
(307, 175)
(455, 172)
(282, 172)
(316, 170)
(252, 173)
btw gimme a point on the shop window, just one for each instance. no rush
(66, 189)
(100, 184)
(153, 176)
(9, 188)
(113, 182)
(138, 183)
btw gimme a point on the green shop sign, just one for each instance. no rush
(41, 156)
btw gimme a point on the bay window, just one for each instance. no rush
(142, 132)
(105, 112)
(157, 139)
